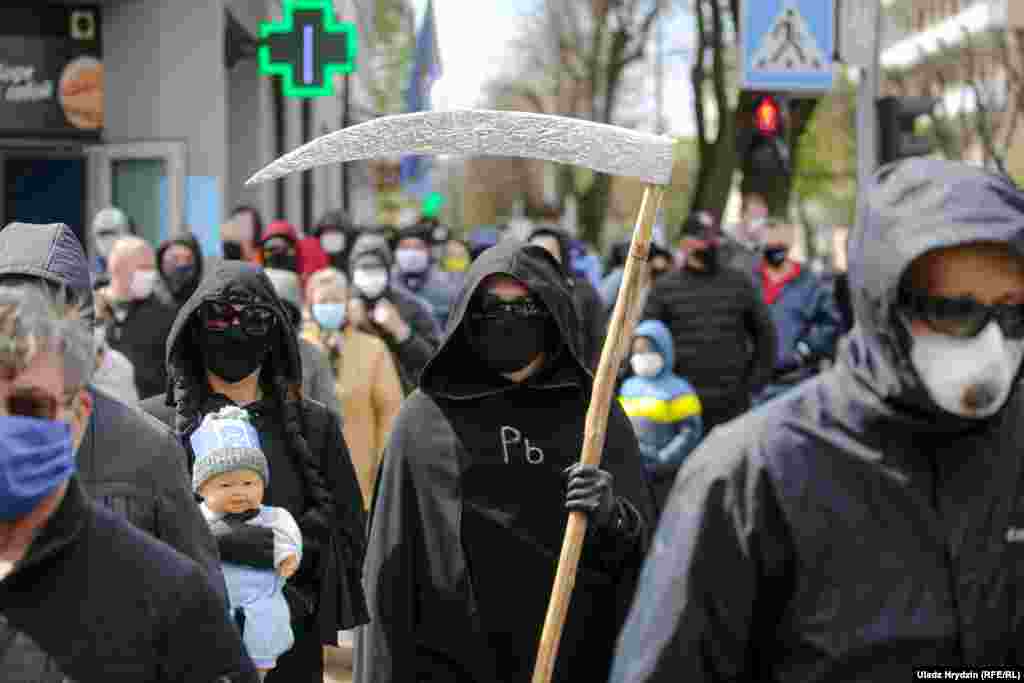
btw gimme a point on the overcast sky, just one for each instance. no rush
(476, 37)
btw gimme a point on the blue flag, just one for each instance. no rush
(426, 69)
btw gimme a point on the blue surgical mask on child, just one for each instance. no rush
(329, 316)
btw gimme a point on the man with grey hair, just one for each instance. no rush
(127, 460)
(83, 594)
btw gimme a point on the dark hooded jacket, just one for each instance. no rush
(174, 289)
(850, 530)
(127, 460)
(316, 482)
(468, 516)
(107, 602)
(590, 309)
(410, 356)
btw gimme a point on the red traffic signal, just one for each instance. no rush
(767, 116)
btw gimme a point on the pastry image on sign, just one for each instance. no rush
(81, 93)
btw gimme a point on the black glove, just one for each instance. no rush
(589, 490)
(252, 546)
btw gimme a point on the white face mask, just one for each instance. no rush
(412, 260)
(370, 283)
(99, 337)
(968, 377)
(333, 242)
(142, 284)
(647, 364)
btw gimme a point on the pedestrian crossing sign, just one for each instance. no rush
(787, 45)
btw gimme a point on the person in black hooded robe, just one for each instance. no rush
(233, 343)
(471, 504)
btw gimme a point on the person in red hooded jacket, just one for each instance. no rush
(282, 248)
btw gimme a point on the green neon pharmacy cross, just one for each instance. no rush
(307, 48)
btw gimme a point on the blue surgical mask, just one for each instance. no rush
(329, 316)
(36, 456)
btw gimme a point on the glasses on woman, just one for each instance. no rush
(256, 320)
(492, 306)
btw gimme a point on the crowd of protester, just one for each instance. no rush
(339, 398)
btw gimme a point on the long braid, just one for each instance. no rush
(288, 401)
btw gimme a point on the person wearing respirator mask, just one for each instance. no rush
(74, 571)
(367, 379)
(803, 310)
(663, 407)
(379, 306)
(898, 470)
(141, 320)
(415, 271)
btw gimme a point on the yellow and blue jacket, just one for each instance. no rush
(664, 409)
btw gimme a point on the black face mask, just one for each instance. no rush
(181, 279)
(281, 261)
(507, 343)
(232, 355)
(232, 251)
(775, 255)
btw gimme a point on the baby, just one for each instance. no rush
(231, 475)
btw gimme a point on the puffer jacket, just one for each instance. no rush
(851, 530)
(665, 412)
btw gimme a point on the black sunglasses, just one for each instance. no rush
(963, 317)
(256, 320)
(30, 402)
(489, 306)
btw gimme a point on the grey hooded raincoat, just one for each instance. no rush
(850, 530)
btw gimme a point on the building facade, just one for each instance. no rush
(159, 107)
(970, 54)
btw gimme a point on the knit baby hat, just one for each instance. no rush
(226, 441)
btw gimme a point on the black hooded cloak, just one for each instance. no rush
(850, 530)
(315, 482)
(469, 515)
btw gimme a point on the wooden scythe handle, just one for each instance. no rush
(620, 336)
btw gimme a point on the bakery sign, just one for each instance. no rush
(51, 73)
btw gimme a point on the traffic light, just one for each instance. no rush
(896, 117)
(762, 147)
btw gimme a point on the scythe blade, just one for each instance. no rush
(480, 132)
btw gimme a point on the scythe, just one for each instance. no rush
(600, 147)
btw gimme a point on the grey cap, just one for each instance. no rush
(224, 442)
(371, 243)
(287, 285)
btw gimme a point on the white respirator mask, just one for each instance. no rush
(647, 364)
(970, 377)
